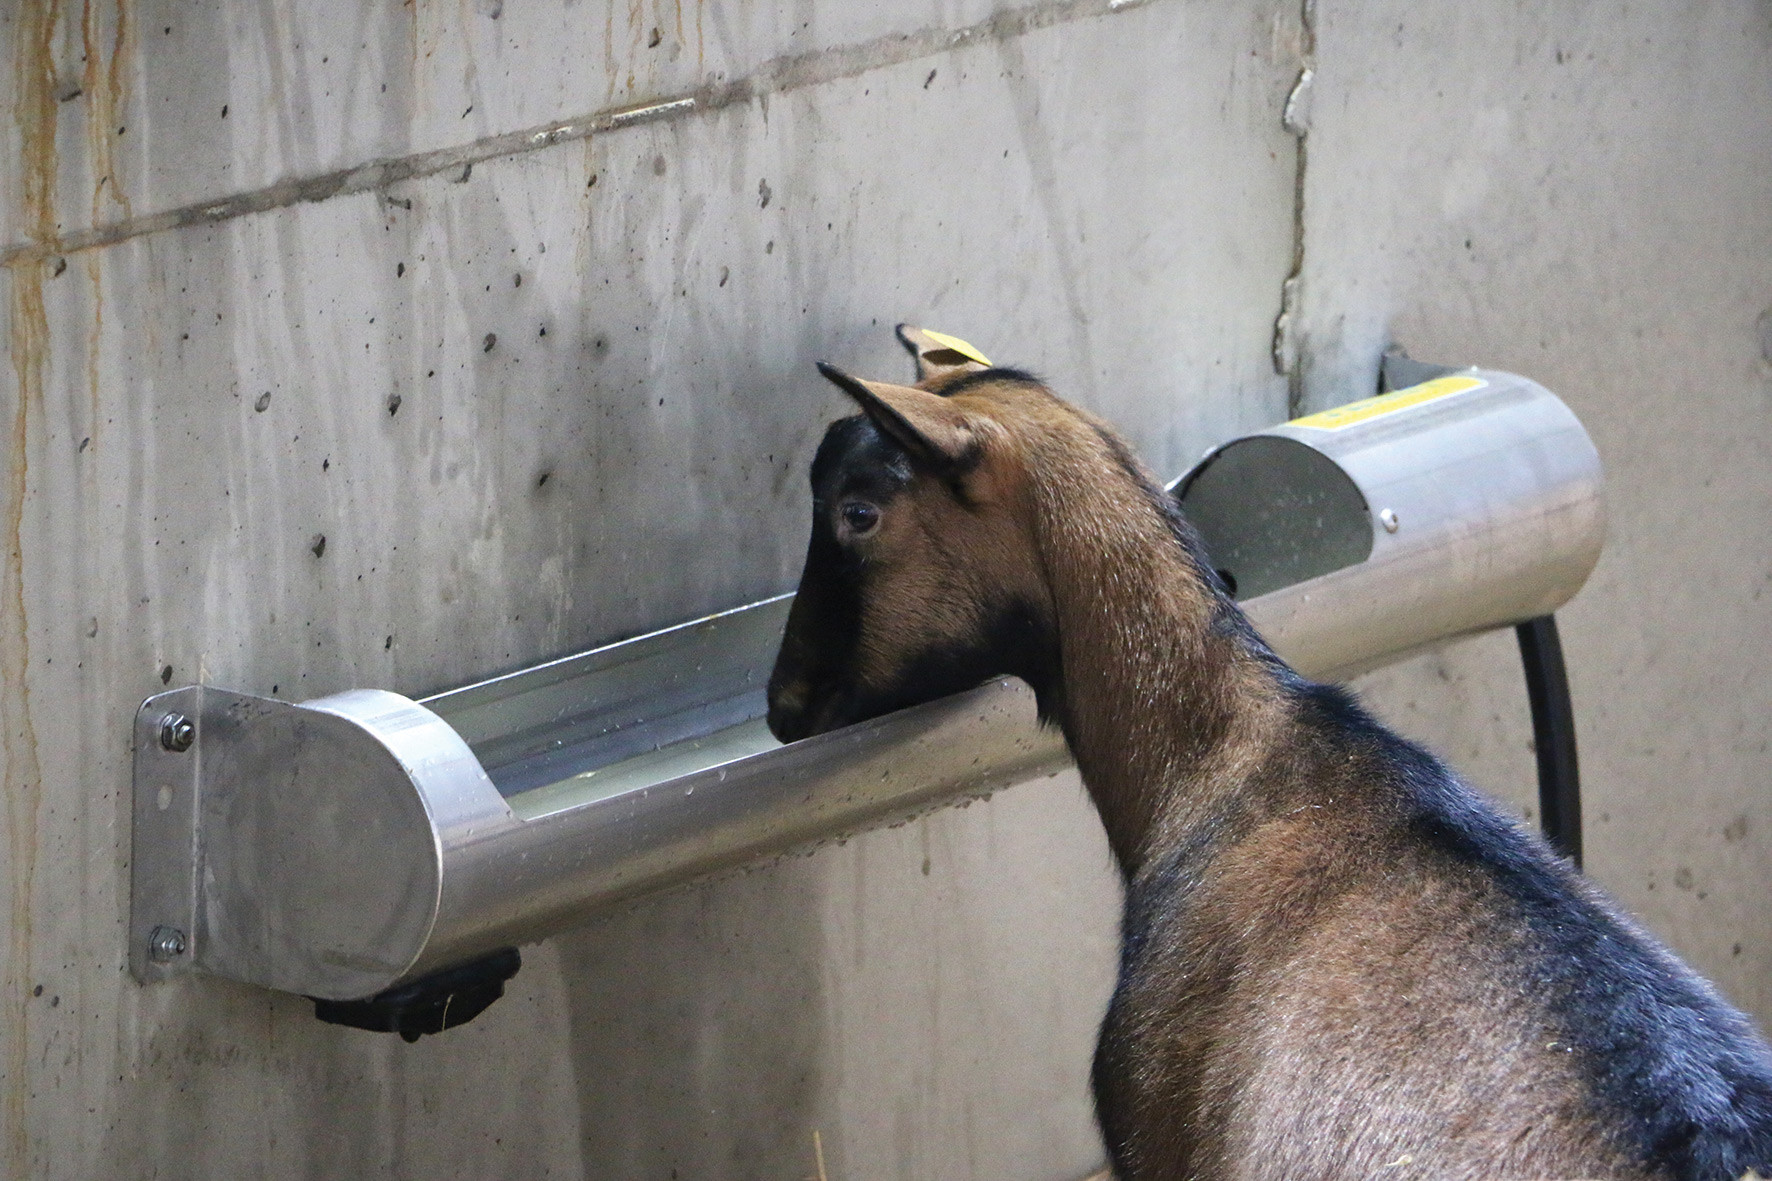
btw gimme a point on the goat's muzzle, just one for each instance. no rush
(789, 719)
(798, 708)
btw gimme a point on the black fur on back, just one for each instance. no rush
(1685, 1074)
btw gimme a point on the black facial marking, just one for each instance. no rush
(818, 648)
(813, 672)
(1012, 640)
(855, 459)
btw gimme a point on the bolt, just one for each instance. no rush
(177, 733)
(165, 944)
(1389, 520)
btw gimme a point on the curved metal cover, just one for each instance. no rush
(278, 904)
(1273, 512)
(300, 847)
(1485, 509)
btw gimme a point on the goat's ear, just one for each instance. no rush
(940, 356)
(933, 431)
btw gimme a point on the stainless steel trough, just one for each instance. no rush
(343, 845)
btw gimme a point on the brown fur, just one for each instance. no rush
(1311, 991)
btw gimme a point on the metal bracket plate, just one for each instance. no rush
(163, 856)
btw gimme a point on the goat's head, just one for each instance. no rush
(923, 575)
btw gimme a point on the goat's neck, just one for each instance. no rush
(1165, 715)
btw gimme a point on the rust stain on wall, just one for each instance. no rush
(103, 83)
(34, 111)
(21, 777)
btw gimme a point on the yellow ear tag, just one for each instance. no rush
(958, 345)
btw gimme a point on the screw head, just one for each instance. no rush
(1389, 520)
(165, 944)
(177, 733)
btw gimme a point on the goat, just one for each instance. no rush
(1337, 959)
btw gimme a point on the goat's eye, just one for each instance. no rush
(860, 516)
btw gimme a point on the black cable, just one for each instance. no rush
(1553, 730)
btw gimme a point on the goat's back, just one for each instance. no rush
(1393, 980)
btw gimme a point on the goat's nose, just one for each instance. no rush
(788, 725)
(788, 717)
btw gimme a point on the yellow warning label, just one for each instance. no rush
(958, 345)
(1368, 408)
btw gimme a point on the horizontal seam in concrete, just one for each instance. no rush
(777, 76)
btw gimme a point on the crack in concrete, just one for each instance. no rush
(1297, 118)
(776, 76)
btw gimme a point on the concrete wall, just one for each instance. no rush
(419, 231)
